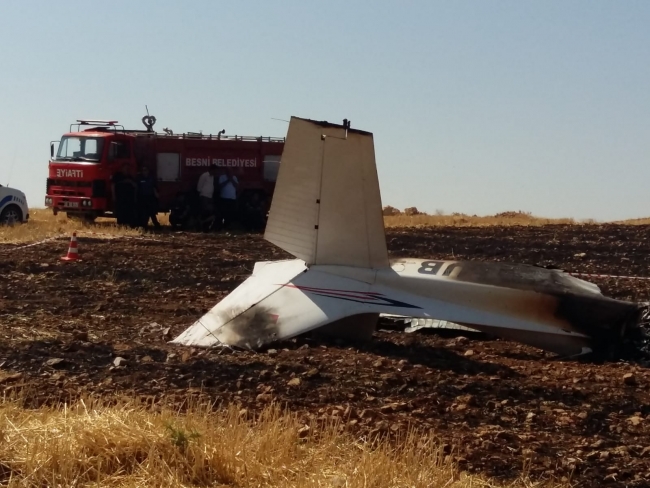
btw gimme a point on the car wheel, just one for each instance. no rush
(11, 215)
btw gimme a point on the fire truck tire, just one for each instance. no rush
(11, 215)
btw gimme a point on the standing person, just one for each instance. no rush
(124, 192)
(147, 198)
(205, 187)
(179, 215)
(228, 185)
(253, 213)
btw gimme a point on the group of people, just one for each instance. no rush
(218, 198)
(135, 197)
(213, 206)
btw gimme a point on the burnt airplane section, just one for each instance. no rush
(574, 303)
(326, 211)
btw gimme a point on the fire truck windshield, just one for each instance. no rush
(80, 149)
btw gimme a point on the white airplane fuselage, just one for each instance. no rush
(284, 299)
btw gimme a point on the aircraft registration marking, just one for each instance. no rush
(436, 268)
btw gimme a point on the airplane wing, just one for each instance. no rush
(279, 301)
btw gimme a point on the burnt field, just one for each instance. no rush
(499, 408)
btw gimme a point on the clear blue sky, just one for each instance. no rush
(476, 106)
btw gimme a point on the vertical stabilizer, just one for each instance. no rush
(326, 206)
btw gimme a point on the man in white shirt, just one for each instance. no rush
(205, 187)
(228, 185)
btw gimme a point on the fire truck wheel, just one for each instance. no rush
(11, 215)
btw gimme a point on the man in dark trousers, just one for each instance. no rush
(124, 192)
(227, 187)
(254, 213)
(147, 198)
(207, 196)
(179, 216)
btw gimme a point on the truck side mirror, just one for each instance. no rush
(52, 148)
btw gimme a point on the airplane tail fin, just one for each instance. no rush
(326, 207)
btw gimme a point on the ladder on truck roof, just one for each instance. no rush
(207, 137)
(113, 125)
(194, 135)
(107, 124)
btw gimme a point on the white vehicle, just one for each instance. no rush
(13, 206)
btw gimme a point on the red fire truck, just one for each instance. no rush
(80, 173)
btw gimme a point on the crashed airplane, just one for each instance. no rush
(327, 212)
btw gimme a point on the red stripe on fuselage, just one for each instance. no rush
(342, 293)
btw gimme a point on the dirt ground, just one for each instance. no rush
(499, 408)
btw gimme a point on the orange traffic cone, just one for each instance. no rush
(73, 252)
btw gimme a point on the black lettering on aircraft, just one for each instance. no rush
(430, 267)
(450, 268)
(434, 267)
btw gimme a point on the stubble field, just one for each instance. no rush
(97, 330)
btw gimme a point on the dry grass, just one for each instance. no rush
(641, 221)
(131, 445)
(462, 220)
(412, 218)
(43, 225)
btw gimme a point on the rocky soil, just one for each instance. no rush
(101, 326)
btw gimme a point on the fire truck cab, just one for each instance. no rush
(80, 171)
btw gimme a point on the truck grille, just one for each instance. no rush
(67, 187)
